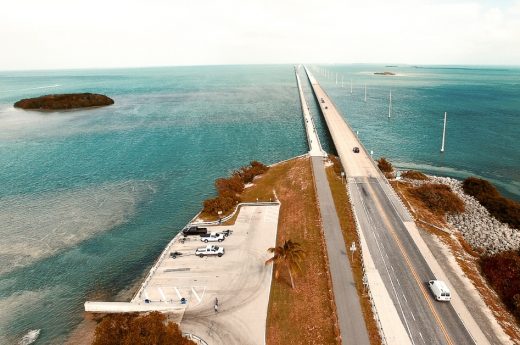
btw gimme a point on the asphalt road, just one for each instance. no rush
(396, 256)
(350, 318)
(403, 270)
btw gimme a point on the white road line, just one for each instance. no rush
(161, 292)
(177, 292)
(387, 271)
(413, 317)
(405, 298)
(422, 337)
(195, 294)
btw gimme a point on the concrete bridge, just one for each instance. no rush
(397, 261)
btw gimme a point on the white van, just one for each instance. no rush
(440, 290)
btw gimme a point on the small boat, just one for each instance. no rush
(30, 337)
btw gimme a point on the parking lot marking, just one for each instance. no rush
(196, 295)
(161, 292)
(177, 292)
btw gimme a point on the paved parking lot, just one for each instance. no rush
(239, 280)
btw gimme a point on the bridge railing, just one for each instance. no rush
(365, 278)
(387, 187)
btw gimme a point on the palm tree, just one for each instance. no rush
(289, 255)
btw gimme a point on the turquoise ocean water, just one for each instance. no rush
(89, 198)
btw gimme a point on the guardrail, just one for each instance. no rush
(365, 279)
(387, 187)
(232, 214)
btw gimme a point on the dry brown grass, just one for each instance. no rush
(306, 314)
(416, 206)
(414, 175)
(348, 227)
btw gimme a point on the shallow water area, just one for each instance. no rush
(89, 198)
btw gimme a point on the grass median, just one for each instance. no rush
(304, 315)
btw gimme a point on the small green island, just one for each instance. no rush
(384, 73)
(64, 101)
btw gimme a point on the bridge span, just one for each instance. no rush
(397, 260)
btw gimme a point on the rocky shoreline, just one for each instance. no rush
(477, 226)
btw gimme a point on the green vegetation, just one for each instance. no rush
(384, 165)
(438, 198)
(136, 329)
(414, 175)
(503, 274)
(503, 209)
(229, 189)
(289, 254)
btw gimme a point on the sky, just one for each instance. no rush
(62, 34)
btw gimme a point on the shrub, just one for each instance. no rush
(135, 329)
(503, 273)
(233, 183)
(414, 175)
(220, 203)
(503, 209)
(228, 189)
(384, 165)
(249, 172)
(439, 198)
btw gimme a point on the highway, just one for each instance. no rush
(392, 242)
(348, 308)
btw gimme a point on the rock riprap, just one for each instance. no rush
(64, 101)
(478, 227)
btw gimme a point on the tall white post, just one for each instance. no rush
(390, 105)
(443, 133)
(351, 86)
(365, 92)
(336, 79)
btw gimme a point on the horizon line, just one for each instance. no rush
(390, 64)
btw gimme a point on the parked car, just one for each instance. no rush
(356, 149)
(212, 237)
(322, 100)
(439, 290)
(210, 249)
(194, 230)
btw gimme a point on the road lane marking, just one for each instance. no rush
(386, 268)
(409, 264)
(413, 317)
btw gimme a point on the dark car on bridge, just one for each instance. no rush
(356, 149)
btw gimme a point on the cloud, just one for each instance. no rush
(62, 34)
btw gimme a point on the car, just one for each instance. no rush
(322, 101)
(208, 250)
(440, 290)
(212, 237)
(356, 149)
(194, 230)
